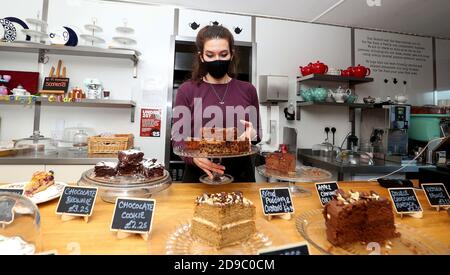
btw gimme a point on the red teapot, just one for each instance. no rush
(348, 72)
(306, 70)
(360, 71)
(319, 68)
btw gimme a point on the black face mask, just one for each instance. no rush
(217, 68)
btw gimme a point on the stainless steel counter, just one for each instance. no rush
(329, 163)
(61, 157)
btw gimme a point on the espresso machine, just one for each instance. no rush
(384, 129)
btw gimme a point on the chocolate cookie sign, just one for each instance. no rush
(326, 191)
(436, 194)
(133, 216)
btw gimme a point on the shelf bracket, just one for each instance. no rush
(135, 60)
(133, 112)
(298, 111)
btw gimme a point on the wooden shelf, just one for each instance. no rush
(334, 78)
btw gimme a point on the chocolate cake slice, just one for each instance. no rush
(359, 217)
(151, 168)
(124, 169)
(131, 156)
(105, 169)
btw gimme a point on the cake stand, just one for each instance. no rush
(132, 186)
(302, 174)
(217, 179)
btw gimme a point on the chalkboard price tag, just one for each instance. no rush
(12, 190)
(436, 194)
(276, 201)
(405, 200)
(77, 201)
(296, 249)
(326, 190)
(56, 84)
(133, 215)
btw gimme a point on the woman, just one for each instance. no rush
(213, 89)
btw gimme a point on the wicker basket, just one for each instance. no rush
(110, 145)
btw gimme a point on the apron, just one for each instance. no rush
(241, 168)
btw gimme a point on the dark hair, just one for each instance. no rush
(208, 33)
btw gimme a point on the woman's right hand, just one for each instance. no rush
(208, 166)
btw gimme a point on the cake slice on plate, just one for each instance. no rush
(223, 219)
(40, 181)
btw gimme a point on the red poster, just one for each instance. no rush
(150, 122)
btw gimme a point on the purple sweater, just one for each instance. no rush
(240, 102)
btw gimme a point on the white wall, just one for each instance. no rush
(282, 46)
(153, 26)
(443, 64)
(419, 87)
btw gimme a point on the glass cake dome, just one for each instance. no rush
(20, 224)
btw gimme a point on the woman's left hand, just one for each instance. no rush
(250, 132)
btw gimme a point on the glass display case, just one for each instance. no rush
(20, 225)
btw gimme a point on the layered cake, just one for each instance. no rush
(151, 168)
(359, 217)
(40, 181)
(223, 219)
(105, 169)
(218, 141)
(281, 162)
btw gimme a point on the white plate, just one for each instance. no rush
(124, 40)
(58, 36)
(48, 194)
(125, 30)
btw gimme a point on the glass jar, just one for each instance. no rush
(80, 139)
(20, 224)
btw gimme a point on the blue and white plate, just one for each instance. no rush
(59, 36)
(18, 23)
(10, 32)
(73, 37)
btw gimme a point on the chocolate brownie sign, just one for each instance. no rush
(77, 201)
(133, 215)
(436, 194)
(326, 190)
(405, 200)
(276, 201)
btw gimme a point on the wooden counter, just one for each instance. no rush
(175, 206)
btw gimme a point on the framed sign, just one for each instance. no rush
(150, 123)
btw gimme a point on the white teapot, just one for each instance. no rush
(340, 94)
(19, 91)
